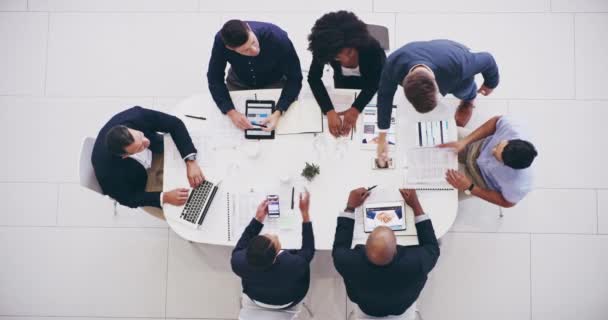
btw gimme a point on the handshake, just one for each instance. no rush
(358, 196)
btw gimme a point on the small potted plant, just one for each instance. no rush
(310, 171)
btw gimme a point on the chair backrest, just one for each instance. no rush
(379, 33)
(85, 166)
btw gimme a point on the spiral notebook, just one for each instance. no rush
(241, 207)
(427, 167)
(239, 211)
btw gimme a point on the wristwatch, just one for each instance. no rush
(191, 157)
(469, 189)
(349, 209)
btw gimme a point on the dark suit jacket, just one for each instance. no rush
(287, 280)
(371, 61)
(125, 179)
(384, 290)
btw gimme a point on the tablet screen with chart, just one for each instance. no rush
(390, 214)
(257, 112)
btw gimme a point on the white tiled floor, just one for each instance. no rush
(591, 50)
(23, 37)
(66, 66)
(480, 276)
(602, 211)
(569, 272)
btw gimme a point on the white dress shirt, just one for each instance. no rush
(351, 72)
(145, 159)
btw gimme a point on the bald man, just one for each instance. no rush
(381, 277)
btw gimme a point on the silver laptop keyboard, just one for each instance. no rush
(193, 211)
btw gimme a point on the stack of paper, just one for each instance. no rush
(427, 168)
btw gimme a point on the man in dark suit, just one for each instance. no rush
(272, 277)
(128, 153)
(381, 277)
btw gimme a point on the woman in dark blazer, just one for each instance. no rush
(343, 41)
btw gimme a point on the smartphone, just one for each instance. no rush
(273, 206)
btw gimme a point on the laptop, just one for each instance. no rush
(198, 203)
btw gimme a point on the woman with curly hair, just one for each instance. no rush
(342, 40)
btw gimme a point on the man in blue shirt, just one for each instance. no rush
(497, 162)
(429, 67)
(260, 56)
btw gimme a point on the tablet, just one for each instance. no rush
(257, 111)
(389, 214)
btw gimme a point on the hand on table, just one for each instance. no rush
(334, 123)
(176, 197)
(262, 211)
(457, 179)
(272, 121)
(304, 206)
(239, 120)
(411, 199)
(195, 175)
(357, 197)
(350, 120)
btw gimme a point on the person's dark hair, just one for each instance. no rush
(518, 154)
(117, 139)
(261, 252)
(421, 91)
(335, 31)
(235, 33)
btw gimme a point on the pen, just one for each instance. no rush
(195, 117)
(371, 188)
(292, 190)
(259, 124)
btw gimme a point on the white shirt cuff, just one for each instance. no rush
(350, 215)
(383, 130)
(161, 199)
(422, 217)
(188, 156)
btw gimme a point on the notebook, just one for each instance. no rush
(241, 208)
(301, 118)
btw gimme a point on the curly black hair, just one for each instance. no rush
(335, 31)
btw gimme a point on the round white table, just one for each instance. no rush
(251, 169)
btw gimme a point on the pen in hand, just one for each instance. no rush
(371, 188)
